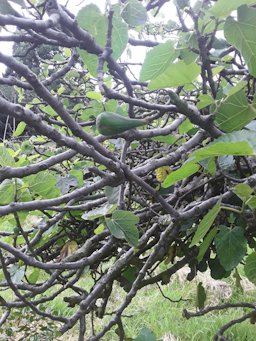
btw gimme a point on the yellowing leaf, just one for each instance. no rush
(162, 172)
(68, 249)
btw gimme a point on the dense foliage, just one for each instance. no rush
(115, 207)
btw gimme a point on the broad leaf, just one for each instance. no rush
(215, 149)
(176, 74)
(182, 173)
(235, 112)
(67, 182)
(157, 60)
(91, 61)
(241, 34)
(236, 136)
(241, 148)
(44, 184)
(119, 36)
(206, 223)
(7, 192)
(250, 267)
(230, 246)
(123, 225)
(217, 270)
(17, 273)
(78, 174)
(223, 7)
(234, 89)
(92, 20)
(112, 194)
(206, 243)
(134, 13)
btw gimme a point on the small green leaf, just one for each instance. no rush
(200, 296)
(99, 229)
(204, 101)
(20, 128)
(250, 267)
(206, 223)
(91, 61)
(176, 74)
(98, 212)
(230, 246)
(243, 191)
(185, 127)
(130, 273)
(34, 276)
(252, 202)
(49, 110)
(182, 173)
(168, 139)
(157, 60)
(217, 70)
(123, 225)
(94, 95)
(134, 13)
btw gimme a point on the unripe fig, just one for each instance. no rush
(110, 123)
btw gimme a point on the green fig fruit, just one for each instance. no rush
(110, 123)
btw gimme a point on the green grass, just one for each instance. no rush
(164, 317)
(150, 309)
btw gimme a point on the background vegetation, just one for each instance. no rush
(93, 211)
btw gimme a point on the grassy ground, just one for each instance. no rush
(150, 309)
